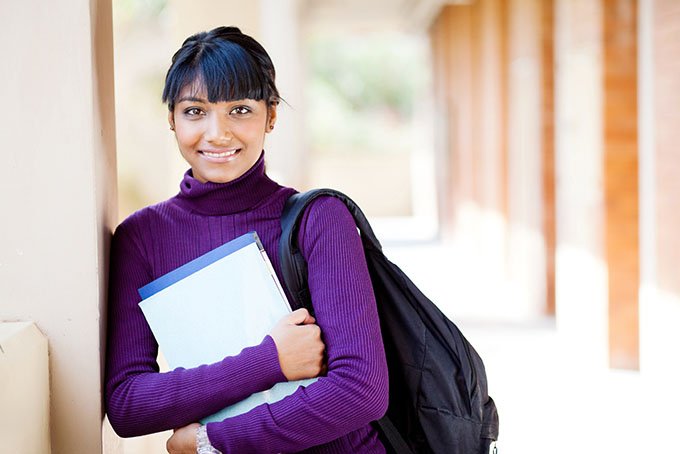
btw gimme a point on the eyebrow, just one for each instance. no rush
(191, 98)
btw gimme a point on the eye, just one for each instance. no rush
(240, 110)
(193, 112)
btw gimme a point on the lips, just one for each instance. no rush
(219, 154)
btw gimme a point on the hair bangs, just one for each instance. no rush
(222, 73)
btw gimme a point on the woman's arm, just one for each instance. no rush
(355, 390)
(139, 399)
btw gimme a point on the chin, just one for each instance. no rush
(220, 177)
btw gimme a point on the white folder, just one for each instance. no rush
(215, 306)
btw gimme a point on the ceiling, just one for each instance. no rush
(403, 15)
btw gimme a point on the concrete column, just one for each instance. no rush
(24, 389)
(58, 197)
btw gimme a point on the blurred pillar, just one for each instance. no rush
(470, 61)
(666, 130)
(489, 108)
(621, 179)
(58, 197)
(440, 39)
(530, 153)
(548, 146)
(280, 32)
(660, 185)
(494, 81)
(275, 24)
(190, 17)
(452, 57)
(489, 146)
(581, 273)
(597, 168)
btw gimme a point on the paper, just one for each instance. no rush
(215, 306)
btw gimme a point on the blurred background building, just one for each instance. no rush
(517, 157)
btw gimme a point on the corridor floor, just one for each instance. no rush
(547, 404)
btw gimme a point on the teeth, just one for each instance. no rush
(220, 155)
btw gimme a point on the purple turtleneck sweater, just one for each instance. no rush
(331, 415)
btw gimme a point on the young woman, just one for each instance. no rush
(222, 101)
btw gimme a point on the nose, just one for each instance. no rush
(218, 132)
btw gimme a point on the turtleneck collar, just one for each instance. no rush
(216, 199)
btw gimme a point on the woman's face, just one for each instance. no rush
(221, 141)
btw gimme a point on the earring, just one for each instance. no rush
(271, 127)
(172, 127)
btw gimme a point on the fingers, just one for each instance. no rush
(300, 317)
(299, 345)
(183, 440)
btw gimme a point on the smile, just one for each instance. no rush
(223, 154)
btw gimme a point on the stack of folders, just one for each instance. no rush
(213, 307)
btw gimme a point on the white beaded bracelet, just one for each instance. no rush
(203, 445)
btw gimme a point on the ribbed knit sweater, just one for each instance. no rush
(331, 415)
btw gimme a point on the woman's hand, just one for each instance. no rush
(299, 345)
(183, 440)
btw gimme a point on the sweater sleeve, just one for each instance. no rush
(355, 390)
(141, 400)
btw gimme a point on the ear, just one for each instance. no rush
(271, 117)
(171, 119)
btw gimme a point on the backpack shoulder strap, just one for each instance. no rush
(293, 264)
(294, 270)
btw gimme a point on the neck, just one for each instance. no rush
(236, 196)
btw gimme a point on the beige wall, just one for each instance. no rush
(58, 196)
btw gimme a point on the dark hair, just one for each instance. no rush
(228, 64)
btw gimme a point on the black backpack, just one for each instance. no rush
(438, 399)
